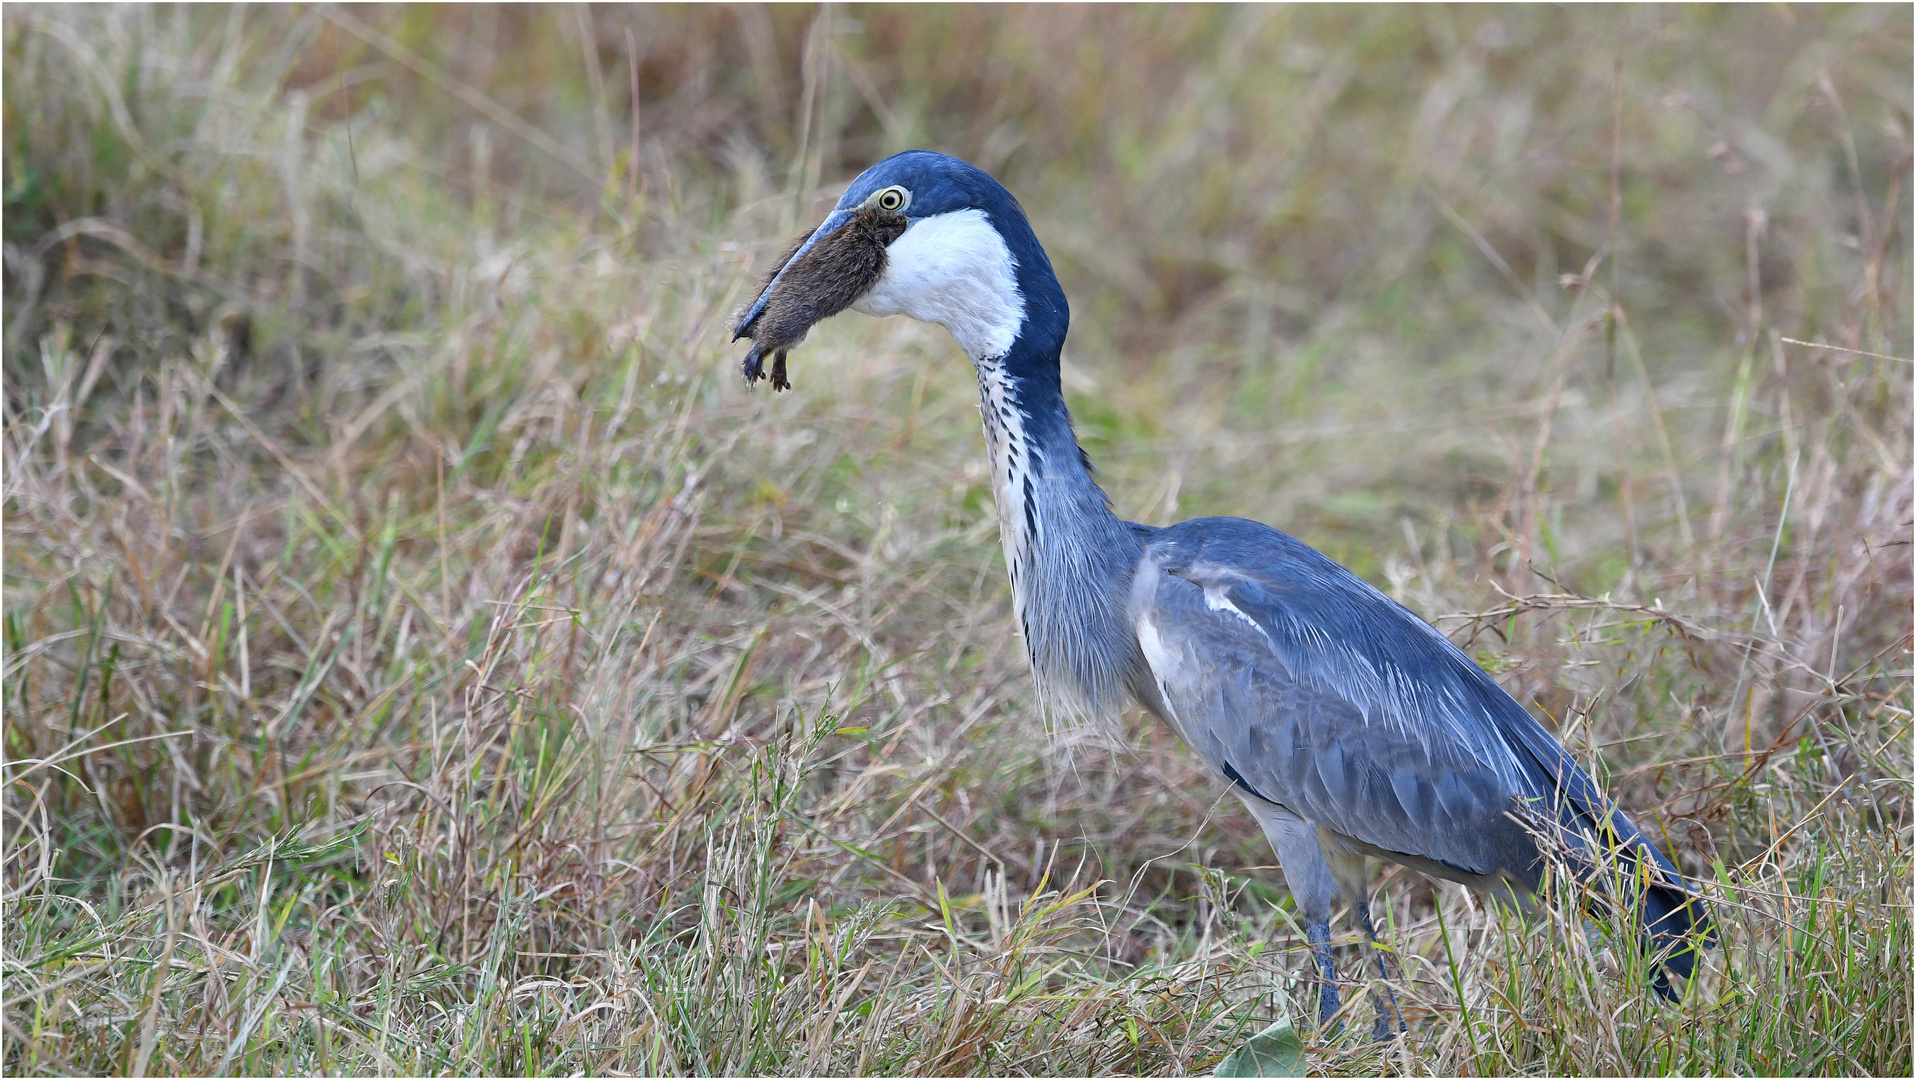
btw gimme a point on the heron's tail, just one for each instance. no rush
(1605, 848)
(1672, 914)
(1676, 924)
(1611, 855)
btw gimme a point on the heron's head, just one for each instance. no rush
(923, 235)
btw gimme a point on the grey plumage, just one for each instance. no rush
(1327, 704)
(1069, 558)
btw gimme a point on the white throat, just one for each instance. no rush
(954, 270)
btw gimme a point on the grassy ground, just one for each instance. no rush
(422, 655)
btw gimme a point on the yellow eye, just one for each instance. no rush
(892, 198)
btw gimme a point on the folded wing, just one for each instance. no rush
(1300, 681)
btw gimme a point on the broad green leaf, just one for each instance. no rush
(1275, 1051)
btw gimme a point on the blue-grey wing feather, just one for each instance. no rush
(1307, 720)
(1320, 693)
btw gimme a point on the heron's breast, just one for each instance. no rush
(1167, 666)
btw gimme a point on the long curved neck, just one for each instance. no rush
(1070, 558)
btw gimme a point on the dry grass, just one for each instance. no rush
(422, 655)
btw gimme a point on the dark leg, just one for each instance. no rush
(1390, 1019)
(1319, 935)
(1311, 884)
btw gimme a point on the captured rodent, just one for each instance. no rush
(824, 281)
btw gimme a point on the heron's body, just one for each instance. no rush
(1347, 725)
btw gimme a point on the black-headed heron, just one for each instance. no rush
(1347, 725)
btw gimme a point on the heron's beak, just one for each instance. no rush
(826, 272)
(743, 327)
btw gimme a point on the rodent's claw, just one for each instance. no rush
(754, 366)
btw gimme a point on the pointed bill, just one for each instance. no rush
(743, 327)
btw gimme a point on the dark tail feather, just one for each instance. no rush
(1676, 926)
(1674, 919)
(1675, 922)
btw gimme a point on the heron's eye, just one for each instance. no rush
(892, 198)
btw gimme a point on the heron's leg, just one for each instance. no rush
(1311, 885)
(1319, 935)
(1352, 873)
(1390, 1019)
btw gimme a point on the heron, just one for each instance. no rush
(1349, 728)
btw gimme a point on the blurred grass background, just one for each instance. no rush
(423, 655)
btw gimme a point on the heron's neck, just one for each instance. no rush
(1069, 556)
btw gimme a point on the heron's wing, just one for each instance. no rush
(1297, 679)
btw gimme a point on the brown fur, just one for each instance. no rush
(817, 285)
